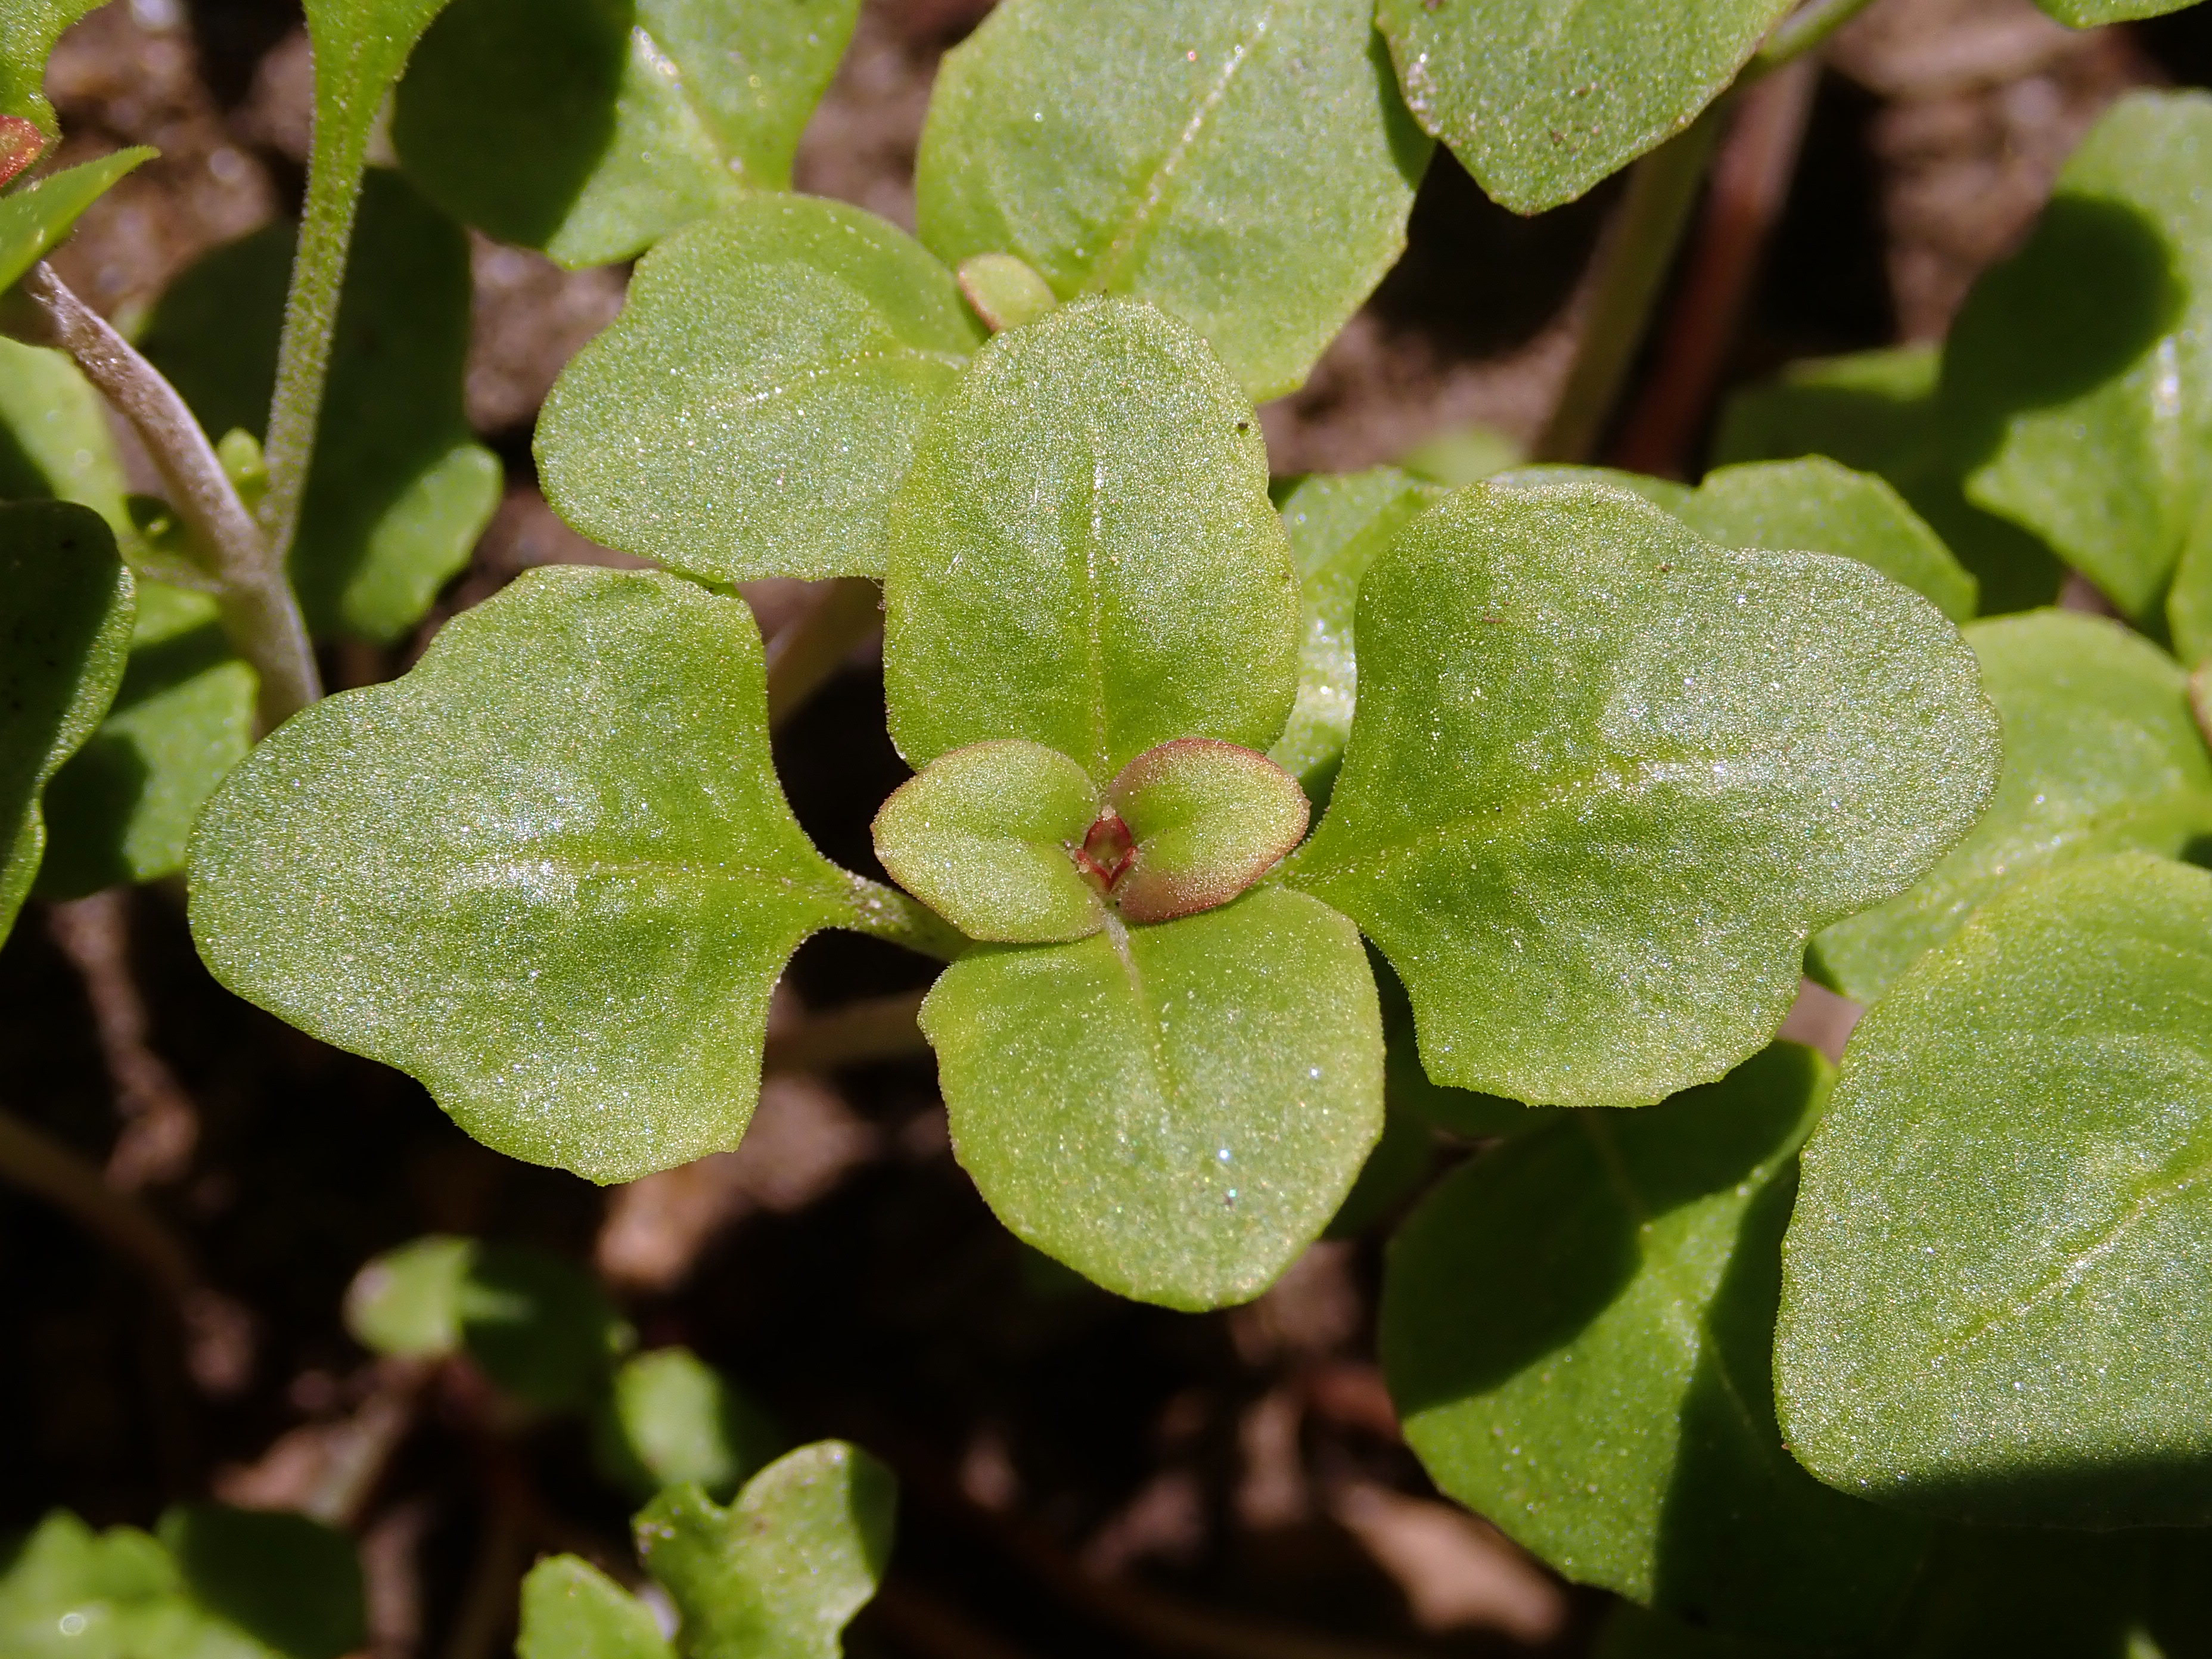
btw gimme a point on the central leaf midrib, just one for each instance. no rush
(673, 871)
(1117, 937)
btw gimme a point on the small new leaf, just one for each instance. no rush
(985, 836)
(2102, 755)
(1609, 1404)
(1541, 101)
(571, 1610)
(780, 1573)
(592, 131)
(1207, 819)
(1246, 165)
(550, 872)
(65, 616)
(752, 408)
(1605, 779)
(1084, 555)
(1175, 1112)
(671, 1419)
(1997, 1288)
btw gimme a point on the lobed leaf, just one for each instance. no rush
(1542, 100)
(398, 489)
(549, 872)
(591, 130)
(1605, 780)
(1814, 505)
(755, 404)
(571, 1610)
(38, 217)
(1247, 167)
(2078, 375)
(983, 836)
(33, 25)
(66, 613)
(1085, 555)
(780, 1573)
(1337, 524)
(1995, 1286)
(1609, 1403)
(2102, 755)
(1175, 1112)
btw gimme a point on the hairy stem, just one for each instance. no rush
(260, 611)
(884, 913)
(878, 1028)
(809, 647)
(1633, 259)
(1750, 178)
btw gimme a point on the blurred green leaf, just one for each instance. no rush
(399, 490)
(1084, 555)
(406, 1303)
(1608, 1403)
(1815, 506)
(2078, 377)
(1336, 523)
(1605, 779)
(33, 25)
(571, 1610)
(292, 1584)
(1541, 101)
(752, 408)
(1660, 492)
(1997, 1286)
(55, 444)
(779, 1574)
(1245, 166)
(1175, 1112)
(38, 217)
(672, 1419)
(121, 809)
(550, 872)
(65, 616)
(591, 129)
(2089, 14)
(2102, 755)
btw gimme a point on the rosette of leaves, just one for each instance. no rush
(776, 1575)
(1603, 780)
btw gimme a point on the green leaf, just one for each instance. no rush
(1175, 1112)
(293, 1585)
(752, 408)
(55, 443)
(571, 1610)
(2189, 604)
(1996, 1291)
(1875, 411)
(1337, 524)
(2079, 374)
(400, 488)
(1815, 506)
(1408, 1091)
(67, 1592)
(360, 48)
(38, 217)
(33, 25)
(1542, 100)
(1005, 291)
(2102, 755)
(1398, 1167)
(1609, 1404)
(1605, 780)
(984, 836)
(672, 1419)
(538, 1325)
(1660, 492)
(549, 872)
(1207, 820)
(1245, 166)
(592, 131)
(65, 614)
(780, 1573)
(2089, 14)
(121, 809)
(1084, 555)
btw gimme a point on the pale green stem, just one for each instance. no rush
(1633, 259)
(884, 913)
(260, 613)
(878, 1028)
(1808, 27)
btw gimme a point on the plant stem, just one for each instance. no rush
(877, 1028)
(1632, 262)
(809, 648)
(260, 611)
(1807, 27)
(1750, 178)
(885, 913)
